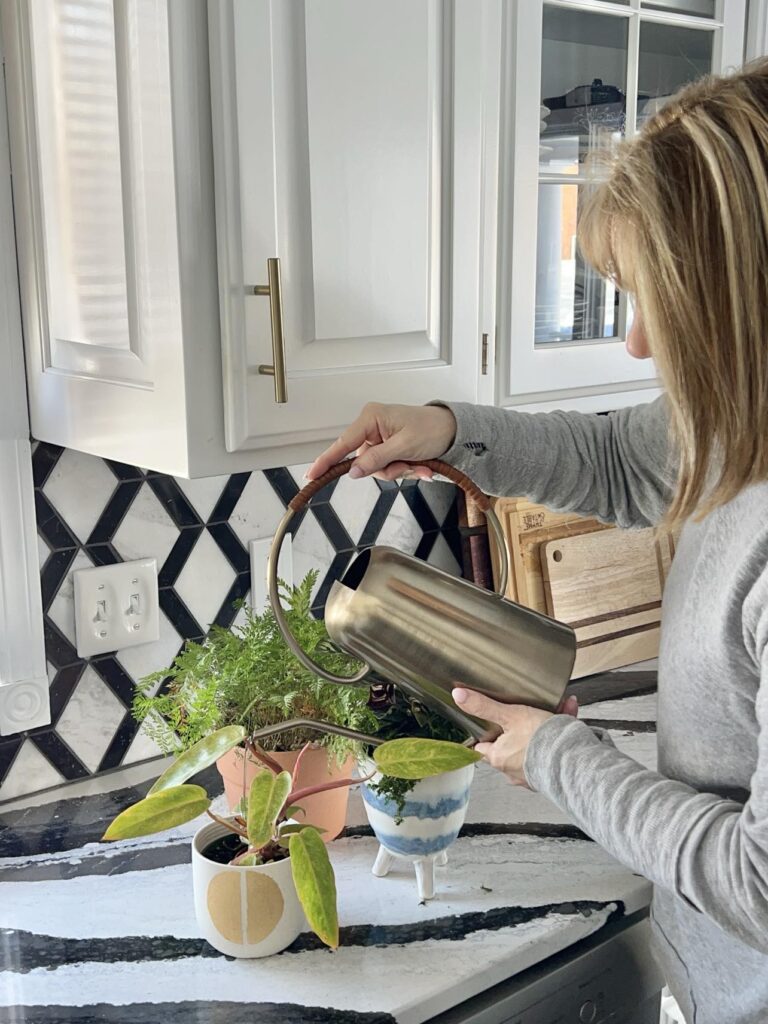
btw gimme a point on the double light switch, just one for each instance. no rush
(116, 606)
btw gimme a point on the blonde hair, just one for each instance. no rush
(682, 224)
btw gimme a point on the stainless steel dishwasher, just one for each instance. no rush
(610, 978)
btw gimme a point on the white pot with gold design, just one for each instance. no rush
(244, 911)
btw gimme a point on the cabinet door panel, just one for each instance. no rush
(351, 147)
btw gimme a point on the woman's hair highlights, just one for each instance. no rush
(681, 222)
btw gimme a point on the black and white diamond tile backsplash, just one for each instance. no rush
(94, 512)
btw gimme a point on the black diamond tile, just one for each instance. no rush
(54, 572)
(378, 517)
(44, 458)
(173, 500)
(9, 748)
(177, 557)
(51, 526)
(230, 545)
(62, 687)
(230, 496)
(116, 678)
(58, 650)
(425, 545)
(58, 753)
(419, 505)
(102, 554)
(282, 484)
(124, 736)
(182, 618)
(332, 526)
(114, 512)
(237, 592)
(336, 571)
(123, 472)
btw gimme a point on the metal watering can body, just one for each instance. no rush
(427, 631)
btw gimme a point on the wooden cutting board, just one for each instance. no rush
(607, 586)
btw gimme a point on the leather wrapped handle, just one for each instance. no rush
(456, 476)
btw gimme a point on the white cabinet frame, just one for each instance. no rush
(24, 697)
(590, 375)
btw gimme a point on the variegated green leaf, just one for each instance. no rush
(203, 754)
(287, 831)
(266, 798)
(414, 758)
(159, 811)
(315, 884)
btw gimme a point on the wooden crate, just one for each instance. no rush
(604, 582)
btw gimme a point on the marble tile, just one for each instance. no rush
(311, 550)
(147, 531)
(146, 658)
(628, 709)
(90, 719)
(205, 580)
(258, 511)
(74, 477)
(203, 493)
(30, 771)
(62, 610)
(353, 502)
(439, 496)
(142, 748)
(401, 529)
(442, 556)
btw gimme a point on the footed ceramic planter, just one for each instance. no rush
(244, 911)
(433, 814)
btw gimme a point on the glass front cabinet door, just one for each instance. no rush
(581, 75)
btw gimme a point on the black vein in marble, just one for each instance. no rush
(614, 686)
(177, 851)
(24, 951)
(538, 829)
(189, 1012)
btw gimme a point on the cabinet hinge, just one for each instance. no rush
(484, 356)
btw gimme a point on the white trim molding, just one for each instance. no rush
(24, 695)
(757, 30)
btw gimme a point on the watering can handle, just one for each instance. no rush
(301, 499)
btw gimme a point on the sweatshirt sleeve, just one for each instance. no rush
(616, 468)
(710, 851)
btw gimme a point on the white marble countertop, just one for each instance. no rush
(107, 933)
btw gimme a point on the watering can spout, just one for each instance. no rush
(427, 631)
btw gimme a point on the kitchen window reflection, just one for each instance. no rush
(671, 56)
(572, 302)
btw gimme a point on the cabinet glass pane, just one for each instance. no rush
(572, 302)
(696, 8)
(76, 95)
(670, 57)
(583, 81)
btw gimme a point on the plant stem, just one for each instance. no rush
(260, 755)
(300, 794)
(227, 825)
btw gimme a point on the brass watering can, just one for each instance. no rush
(427, 631)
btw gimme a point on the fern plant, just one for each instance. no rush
(248, 676)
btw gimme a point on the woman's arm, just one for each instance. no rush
(616, 467)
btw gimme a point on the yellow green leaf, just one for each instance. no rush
(158, 812)
(287, 831)
(201, 755)
(414, 758)
(266, 798)
(315, 884)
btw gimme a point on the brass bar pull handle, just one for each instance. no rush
(273, 291)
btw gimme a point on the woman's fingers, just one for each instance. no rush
(395, 470)
(352, 438)
(483, 707)
(569, 706)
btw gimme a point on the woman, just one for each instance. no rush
(682, 225)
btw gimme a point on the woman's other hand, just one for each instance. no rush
(385, 436)
(518, 723)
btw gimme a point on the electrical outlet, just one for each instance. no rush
(116, 606)
(259, 550)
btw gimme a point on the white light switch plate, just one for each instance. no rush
(116, 606)
(259, 550)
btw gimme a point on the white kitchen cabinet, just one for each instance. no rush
(579, 74)
(351, 140)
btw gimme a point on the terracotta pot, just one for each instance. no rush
(326, 810)
(244, 911)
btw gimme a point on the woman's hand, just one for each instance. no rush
(519, 724)
(385, 435)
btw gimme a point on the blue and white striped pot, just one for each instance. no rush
(433, 814)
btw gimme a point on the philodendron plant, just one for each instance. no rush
(265, 822)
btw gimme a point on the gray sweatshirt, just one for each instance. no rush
(698, 829)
